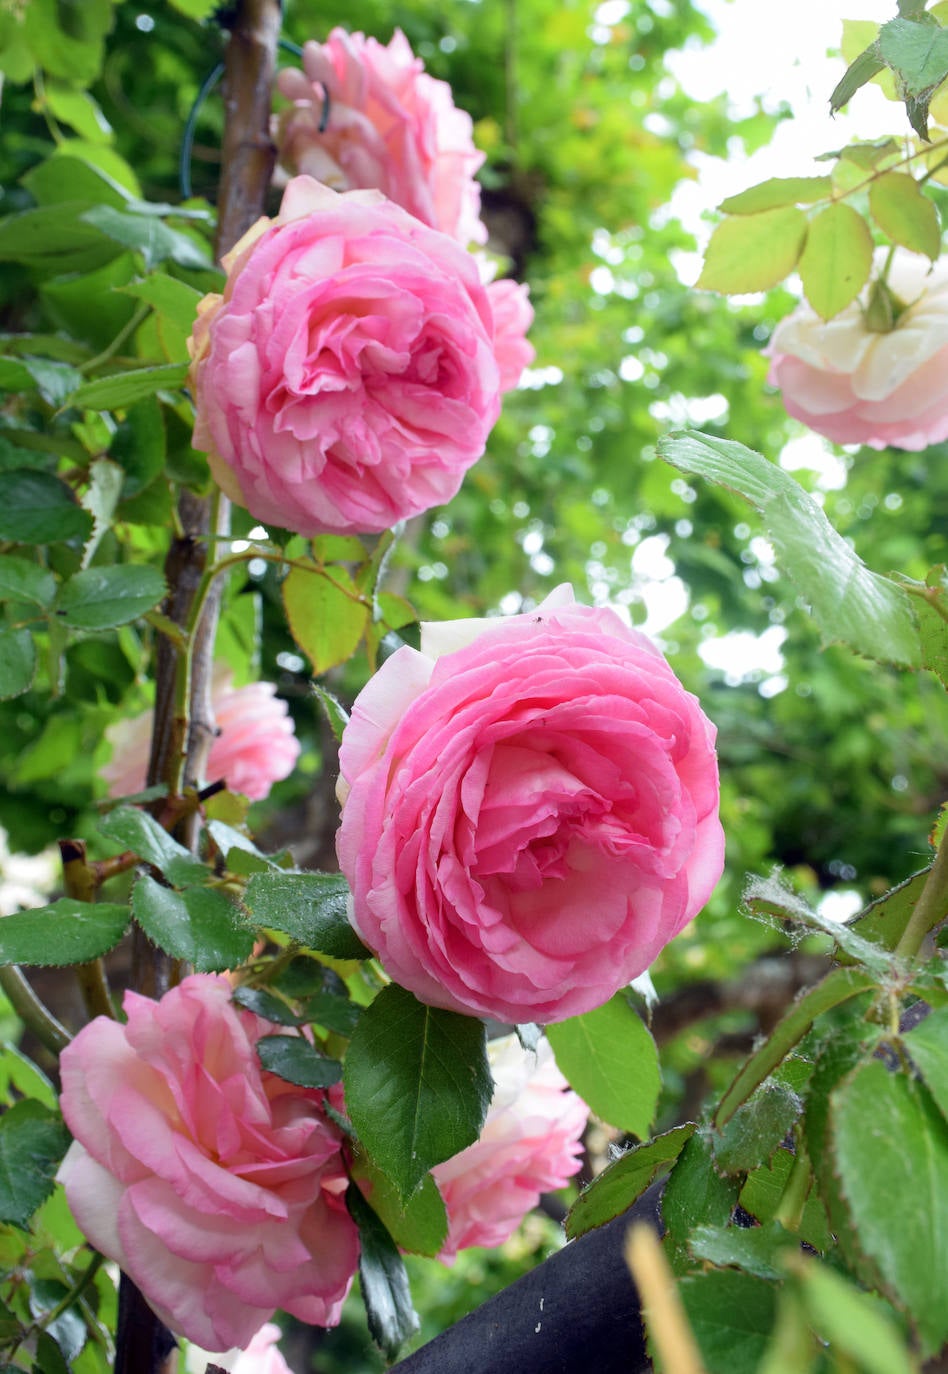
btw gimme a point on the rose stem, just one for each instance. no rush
(143, 1344)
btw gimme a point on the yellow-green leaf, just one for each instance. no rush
(837, 259)
(903, 211)
(776, 192)
(754, 252)
(326, 614)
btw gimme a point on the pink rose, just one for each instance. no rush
(390, 128)
(255, 746)
(530, 1144)
(513, 316)
(262, 1355)
(218, 1187)
(860, 387)
(530, 811)
(346, 379)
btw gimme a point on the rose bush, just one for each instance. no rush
(218, 1187)
(530, 811)
(256, 745)
(531, 1144)
(390, 128)
(346, 378)
(858, 386)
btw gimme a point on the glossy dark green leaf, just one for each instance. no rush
(37, 508)
(17, 662)
(198, 925)
(309, 907)
(417, 1084)
(265, 1004)
(295, 1059)
(23, 580)
(65, 932)
(755, 1249)
(763, 1193)
(136, 830)
(849, 603)
(696, 1194)
(102, 598)
(928, 1046)
(33, 1140)
(610, 1058)
(383, 1279)
(624, 1180)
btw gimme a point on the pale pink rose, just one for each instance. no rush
(255, 747)
(530, 811)
(531, 1144)
(513, 316)
(216, 1186)
(390, 128)
(262, 1355)
(860, 387)
(346, 379)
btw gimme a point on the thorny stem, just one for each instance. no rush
(82, 883)
(931, 907)
(31, 1011)
(74, 1294)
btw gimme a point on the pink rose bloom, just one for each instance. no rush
(218, 1187)
(255, 746)
(530, 1144)
(513, 316)
(530, 811)
(262, 1355)
(391, 128)
(346, 379)
(860, 387)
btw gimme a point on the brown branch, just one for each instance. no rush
(144, 1346)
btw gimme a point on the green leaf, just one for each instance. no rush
(334, 711)
(763, 1193)
(199, 925)
(777, 192)
(848, 602)
(335, 1013)
(65, 932)
(610, 1059)
(850, 1321)
(33, 1140)
(417, 1084)
(295, 1059)
(148, 235)
(168, 296)
(771, 897)
(753, 252)
(36, 508)
(101, 497)
(837, 259)
(837, 987)
(196, 9)
(102, 598)
(263, 1003)
(890, 1144)
(419, 1225)
(309, 907)
(77, 109)
(122, 389)
(902, 211)
(139, 446)
(756, 1129)
(883, 922)
(928, 1046)
(732, 1316)
(696, 1194)
(136, 830)
(624, 1180)
(868, 64)
(383, 1279)
(23, 580)
(17, 662)
(54, 236)
(753, 1249)
(54, 380)
(66, 37)
(916, 52)
(326, 615)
